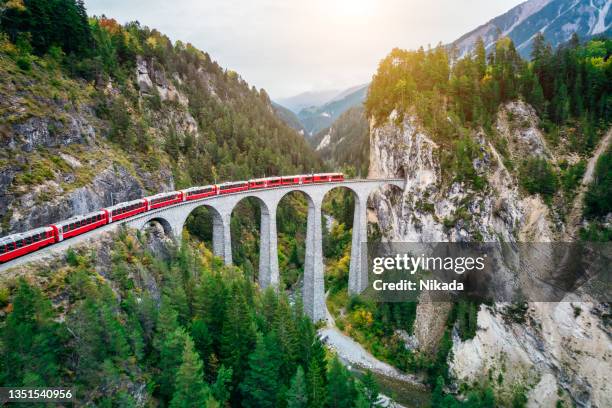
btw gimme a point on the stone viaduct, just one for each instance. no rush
(173, 218)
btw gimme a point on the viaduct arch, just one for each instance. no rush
(173, 218)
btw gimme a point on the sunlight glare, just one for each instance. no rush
(353, 8)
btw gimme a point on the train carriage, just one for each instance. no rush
(290, 180)
(80, 224)
(164, 199)
(16, 245)
(306, 179)
(196, 193)
(232, 187)
(257, 183)
(336, 177)
(264, 182)
(126, 210)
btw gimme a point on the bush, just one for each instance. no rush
(598, 200)
(24, 63)
(538, 177)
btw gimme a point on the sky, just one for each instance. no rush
(288, 46)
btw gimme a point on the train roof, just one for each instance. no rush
(79, 217)
(265, 178)
(158, 195)
(198, 188)
(125, 204)
(21, 235)
(229, 183)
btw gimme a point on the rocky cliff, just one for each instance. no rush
(56, 160)
(560, 351)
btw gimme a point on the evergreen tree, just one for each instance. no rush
(30, 341)
(340, 386)
(170, 360)
(481, 58)
(261, 383)
(190, 389)
(370, 388)
(221, 389)
(238, 336)
(297, 396)
(315, 381)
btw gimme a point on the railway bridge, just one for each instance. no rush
(173, 218)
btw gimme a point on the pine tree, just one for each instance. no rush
(261, 384)
(201, 338)
(481, 58)
(170, 360)
(30, 341)
(238, 336)
(190, 389)
(340, 386)
(370, 388)
(315, 380)
(222, 388)
(297, 396)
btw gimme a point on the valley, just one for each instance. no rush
(503, 135)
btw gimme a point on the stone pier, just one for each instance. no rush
(173, 219)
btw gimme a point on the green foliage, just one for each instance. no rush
(190, 389)
(370, 389)
(261, 383)
(234, 345)
(537, 176)
(598, 199)
(49, 23)
(568, 87)
(465, 314)
(297, 396)
(571, 176)
(341, 390)
(462, 165)
(32, 343)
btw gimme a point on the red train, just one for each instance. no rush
(16, 245)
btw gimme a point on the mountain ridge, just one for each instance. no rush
(558, 20)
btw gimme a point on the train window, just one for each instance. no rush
(2, 249)
(19, 243)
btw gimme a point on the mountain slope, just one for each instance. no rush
(132, 115)
(556, 19)
(316, 118)
(305, 99)
(346, 141)
(287, 116)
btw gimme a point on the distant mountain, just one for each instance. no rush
(316, 118)
(556, 19)
(288, 117)
(305, 99)
(346, 142)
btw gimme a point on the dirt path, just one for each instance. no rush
(354, 353)
(575, 215)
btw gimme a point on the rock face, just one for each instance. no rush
(55, 160)
(112, 185)
(555, 354)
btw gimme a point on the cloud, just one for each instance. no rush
(290, 46)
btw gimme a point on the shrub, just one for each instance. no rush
(538, 177)
(598, 200)
(24, 63)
